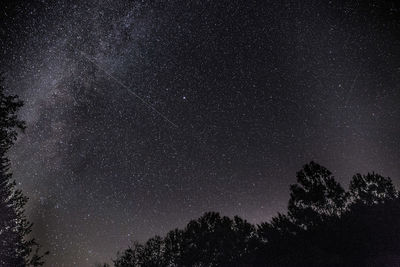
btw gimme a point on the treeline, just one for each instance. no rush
(325, 225)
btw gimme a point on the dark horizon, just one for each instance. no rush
(142, 116)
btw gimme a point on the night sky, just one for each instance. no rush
(141, 116)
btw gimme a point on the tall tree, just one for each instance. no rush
(316, 196)
(16, 248)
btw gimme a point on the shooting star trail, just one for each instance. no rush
(127, 88)
(352, 86)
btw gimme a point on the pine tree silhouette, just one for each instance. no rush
(16, 248)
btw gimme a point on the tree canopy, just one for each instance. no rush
(325, 225)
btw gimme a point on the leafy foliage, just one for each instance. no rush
(371, 189)
(316, 196)
(325, 226)
(211, 240)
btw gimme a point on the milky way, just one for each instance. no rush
(142, 116)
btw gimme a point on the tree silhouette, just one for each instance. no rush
(16, 249)
(371, 189)
(325, 225)
(174, 248)
(316, 196)
(211, 240)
